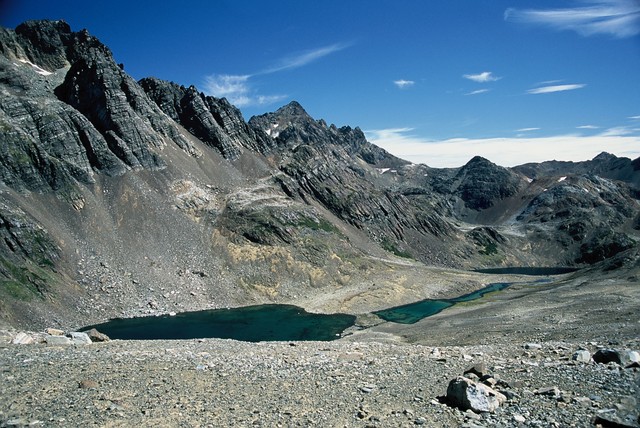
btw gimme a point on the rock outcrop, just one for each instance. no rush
(67, 109)
(212, 120)
(482, 184)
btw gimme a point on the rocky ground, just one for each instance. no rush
(343, 383)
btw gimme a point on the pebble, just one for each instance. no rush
(519, 418)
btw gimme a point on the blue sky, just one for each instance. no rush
(435, 82)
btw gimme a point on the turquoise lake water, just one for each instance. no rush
(414, 312)
(249, 323)
(286, 322)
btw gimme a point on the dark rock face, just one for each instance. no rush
(27, 255)
(604, 165)
(60, 125)
(481, 184)
(588, 211)
(291, 126)
(50, 145)
(212, 120)
(340, 169)
(119, 109)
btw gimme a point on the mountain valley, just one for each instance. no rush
(123, 198)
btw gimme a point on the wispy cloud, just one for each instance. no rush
(238, 88)
(618, 18)
(527, 129)
(304, 58)
(451, 153)
(403, 84)
(224, 85)
(485, 76)
(479, 91)
(587, 127)
(617, 131)
(555, 88)
(634, 117)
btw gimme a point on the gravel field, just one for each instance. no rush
(343, 383)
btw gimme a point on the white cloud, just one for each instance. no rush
(304, 58)
(485, 76)
(479, 91)
(587, 127)
(237, 89)
(619, 18)
(527, 129)
(403, 84)
(617, 131)
(227, 85)
(504, 151)
(634, 117)
(555, 88)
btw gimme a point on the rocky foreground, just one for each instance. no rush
(211, 382)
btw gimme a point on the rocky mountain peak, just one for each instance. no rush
(481, 183)
(604, 156)
(50, 45)
(213, 120)
(479, 162)
(292, 109)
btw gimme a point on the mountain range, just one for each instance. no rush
(121, 197)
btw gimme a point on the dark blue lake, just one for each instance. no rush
(249, 323)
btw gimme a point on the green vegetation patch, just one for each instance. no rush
(489, 249)
(23, 282)
(392, 248)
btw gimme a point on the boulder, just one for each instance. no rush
(624, 357)
(581, 356)
(22, 339)
(54, 331)
(96, 336)
(87, 384)
(57, 340)
(469, 395)
(80, 338)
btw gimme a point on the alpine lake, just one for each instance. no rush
(277, 322)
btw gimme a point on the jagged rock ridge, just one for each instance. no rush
(174, 187)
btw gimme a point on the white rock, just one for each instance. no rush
(627, 357)
(467, 394)
(57, 340)
(80, 338)
(22, 339)
(581, 356)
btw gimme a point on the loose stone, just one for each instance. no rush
(467, 394)
(581, 356)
